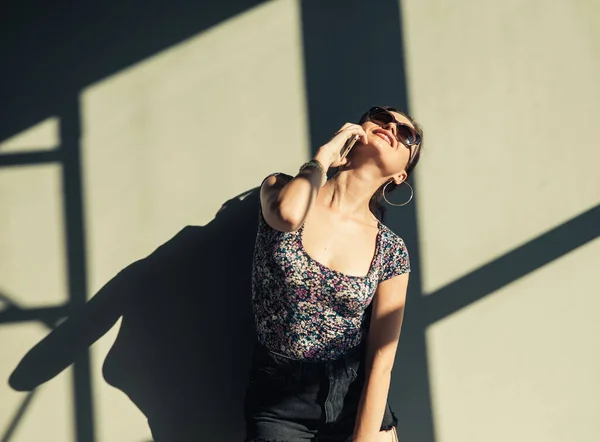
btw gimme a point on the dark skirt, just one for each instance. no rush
(290, 400)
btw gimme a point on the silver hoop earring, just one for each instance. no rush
(398, 205)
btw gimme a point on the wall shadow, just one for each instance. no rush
(56, 49)
(354, 59)
(187, 332)
(536, 253)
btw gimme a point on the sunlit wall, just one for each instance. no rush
(32, 275)
(167, 141)
(164, 144)
(509, 96)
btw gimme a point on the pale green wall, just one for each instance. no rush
(509, 96)
(156, 156)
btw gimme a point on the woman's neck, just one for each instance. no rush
(349, 193)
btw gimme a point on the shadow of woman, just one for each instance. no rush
(187, 333)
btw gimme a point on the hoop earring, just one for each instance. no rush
(412, 192)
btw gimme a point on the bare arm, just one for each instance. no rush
(382, 342)
(284, 204)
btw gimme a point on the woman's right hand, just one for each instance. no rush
(329, 153)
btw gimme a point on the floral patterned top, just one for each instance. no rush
(307, 311)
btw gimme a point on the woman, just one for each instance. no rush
(322, 367)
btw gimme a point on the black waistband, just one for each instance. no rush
(354, 354)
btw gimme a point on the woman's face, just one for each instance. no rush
(384, 148)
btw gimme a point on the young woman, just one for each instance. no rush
(329, 288)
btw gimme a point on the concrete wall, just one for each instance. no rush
(164, 143)
(504, 290)
(509, 96)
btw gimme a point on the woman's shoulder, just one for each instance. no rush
(395, 260)
(281, 180)
(284, 177)
(390, 238)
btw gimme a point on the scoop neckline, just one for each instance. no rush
(329, 269)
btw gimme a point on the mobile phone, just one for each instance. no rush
(348, 146)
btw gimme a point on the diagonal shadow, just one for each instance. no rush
(515, 264)
(412, 383)
(56, 49)
(345, 63)
(16, 420)
(92, 42)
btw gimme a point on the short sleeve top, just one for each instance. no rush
(307, 311)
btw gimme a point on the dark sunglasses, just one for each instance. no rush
(405, 134)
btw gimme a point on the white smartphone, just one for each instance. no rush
(348, 146)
